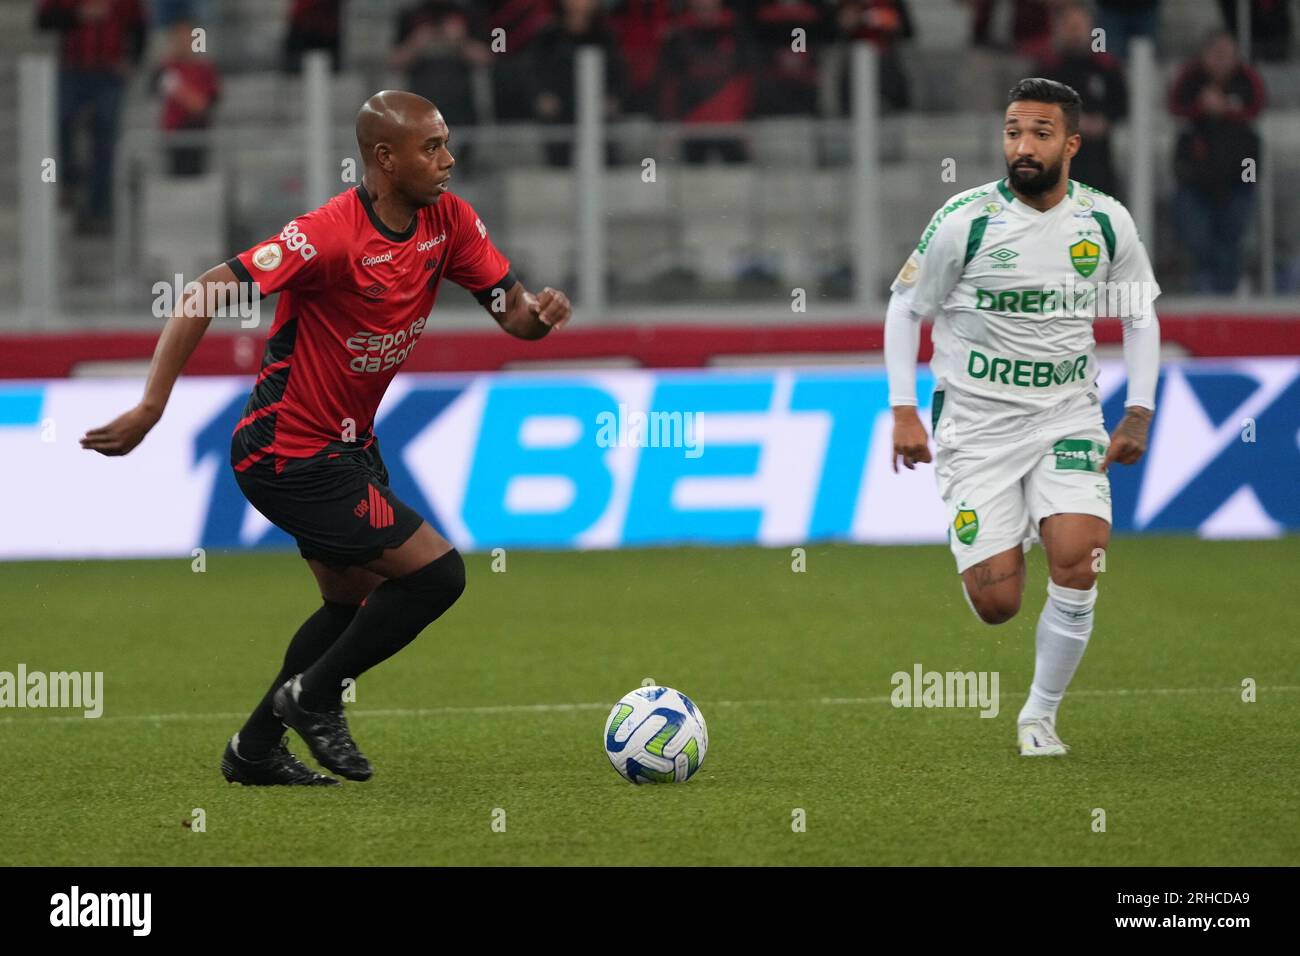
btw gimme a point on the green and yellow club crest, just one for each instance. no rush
(1085, 255)
(966, 525)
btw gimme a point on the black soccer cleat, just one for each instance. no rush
(278, 768)
(326, 734)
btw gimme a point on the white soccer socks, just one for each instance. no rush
(1063, 631)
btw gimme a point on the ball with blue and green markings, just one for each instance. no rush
(656, 735)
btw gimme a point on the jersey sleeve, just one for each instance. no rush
(305, 254)
(475, 262)
(933, 269)
(1130, 267)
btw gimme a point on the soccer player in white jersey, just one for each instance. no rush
(1012, 273)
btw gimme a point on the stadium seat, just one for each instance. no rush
(183, 225)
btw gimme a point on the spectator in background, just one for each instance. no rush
(1099, 81)
(1007, 38)
(640, 26)
(1123, 20)
(1220, 97)
(1270, 27)
(189, 86)
(313, 25)
(522, 20)
(788, 77)
(102, 41)
(884, 24)
(1030, 33)
(516, 23)
(555, 52)
(706, 75)
(438, 51)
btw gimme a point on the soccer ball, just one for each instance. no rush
(656, 735)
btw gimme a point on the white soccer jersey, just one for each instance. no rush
(1013, 293)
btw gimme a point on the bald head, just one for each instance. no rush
(389, 117)
(403, 142)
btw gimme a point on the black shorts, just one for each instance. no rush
(338, 508)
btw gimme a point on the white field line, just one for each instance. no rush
(563, 708)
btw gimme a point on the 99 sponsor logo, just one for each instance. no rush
(295, 240)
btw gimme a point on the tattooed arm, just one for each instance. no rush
(1129, 440)
(1142, 356)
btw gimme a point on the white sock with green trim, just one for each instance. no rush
(1063, 631)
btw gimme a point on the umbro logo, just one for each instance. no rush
(374, 291)
(1003, 258)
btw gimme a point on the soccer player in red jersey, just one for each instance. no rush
(357, 280)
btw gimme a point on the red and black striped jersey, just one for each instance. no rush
(355, 297)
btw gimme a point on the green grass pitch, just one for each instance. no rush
(791, 670)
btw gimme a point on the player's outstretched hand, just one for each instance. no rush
(1129, 440)
(910, 440)
(121, 434)
(552, 308)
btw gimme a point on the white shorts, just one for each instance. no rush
(997, 495)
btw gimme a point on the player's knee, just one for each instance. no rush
(1080, 575)
(437, 585)
(997, 609)
(1075, 561)
(454, 576)
(995, 606)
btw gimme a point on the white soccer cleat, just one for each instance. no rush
(1038, 739)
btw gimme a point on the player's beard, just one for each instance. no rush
(1043, 180)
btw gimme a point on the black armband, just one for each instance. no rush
(504, 284)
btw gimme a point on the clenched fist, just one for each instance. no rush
(551, 307)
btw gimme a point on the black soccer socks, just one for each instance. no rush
(263, 730)
(393, 615)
